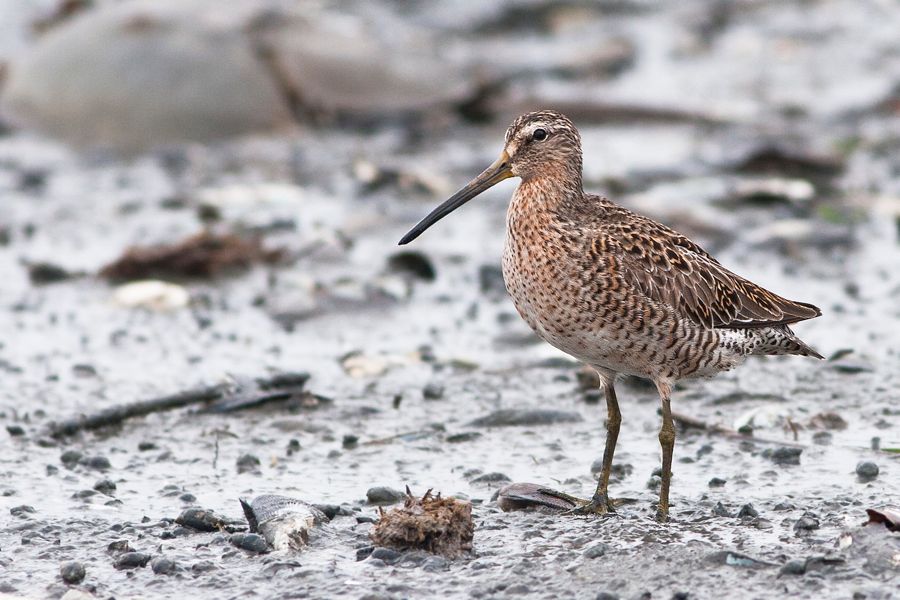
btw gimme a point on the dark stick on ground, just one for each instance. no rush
(694, 423)
(225, 397)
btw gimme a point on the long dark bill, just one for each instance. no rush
(491, 176)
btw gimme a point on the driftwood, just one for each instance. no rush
(226, 397)
(694, 423)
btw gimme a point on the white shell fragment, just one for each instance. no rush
(151, 295)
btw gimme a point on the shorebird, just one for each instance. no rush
(617, 290)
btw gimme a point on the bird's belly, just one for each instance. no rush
(621, 334)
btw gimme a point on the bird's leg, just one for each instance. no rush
(600, 502)
(667, 441)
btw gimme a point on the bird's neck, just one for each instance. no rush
(550, 193)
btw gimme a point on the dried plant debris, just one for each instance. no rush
(438, 525)
(529, 496)
(889, 517)
(203, 255)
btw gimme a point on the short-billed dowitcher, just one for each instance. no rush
(617, 290)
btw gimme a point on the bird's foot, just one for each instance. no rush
(599, 504)
(662, 515)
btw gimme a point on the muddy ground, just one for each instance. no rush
(812, 106)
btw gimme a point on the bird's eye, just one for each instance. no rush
(539, 135)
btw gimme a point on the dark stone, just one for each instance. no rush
(783, 455)
(717, 482)
(119, 546)
(596, 551)
(518, 417)
(412, 263)
(100, 463)
(71, 458)
(132, 560)
(72, 572)
(606, 596)
(490, 280)
(492, 478)
(384, 495)
(433, 391)
(44, 272)
(247, 463)
(747, 510)
(388, 555)
(252, 542)
(162, 565)
(436, 563)
(366, 519)
(204, 566)
(350, 441)
(334, 510)
(466, 436)
(18, 511)
(720, 511)
(188, 498)
(681, 596)
(145, 446)
(794, 567)
(364, 552)
(15, 430)
(807, 522)
(866, 471)
(200, 519)
(105, 486)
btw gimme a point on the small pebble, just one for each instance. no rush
(252, 542)
(132, 560)
(146, 446)
(18, 511)
(349, 441)
(490, 478)
(204, 566)
(72, 572)
(596, 551)
(716, 482)
(162, 565)
(747, 510)
(784, 455)
(100, 463)
(466, 436)
(384, 495)
(794, 567)
(807, 522)
(15, 430)
(105, 486)
(388, 555)
(433, 391)
(866, 471)
(188, 498)
(71, 457)
(606, 596)
(435, 563)
(720, 511)
(247, 463)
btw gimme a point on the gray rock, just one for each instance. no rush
(100, 463)
(596, 551)
(783, 455)
(388, 555)
(132, 560)
(203, 566)
(163, 565)
(72, 572)
(489, 478)
(747, 510)
(793, 567)
(252, 542)
(247, 463)
(105, 486)
(516, 416)
(866, 471)
(807, 522)
(433, 391)
(384, 495)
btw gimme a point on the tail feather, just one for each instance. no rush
(781, 340)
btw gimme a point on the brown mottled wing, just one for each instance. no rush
(673, 270)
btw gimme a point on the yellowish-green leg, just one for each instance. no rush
(667, 442)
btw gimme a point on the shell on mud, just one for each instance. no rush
(284, 522)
